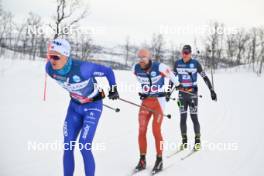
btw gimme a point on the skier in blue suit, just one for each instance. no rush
(187, 70)
(85, 107)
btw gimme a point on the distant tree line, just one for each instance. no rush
(220, 50)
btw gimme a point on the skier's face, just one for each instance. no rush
(57, 60)
(144, 57)
(186, 56)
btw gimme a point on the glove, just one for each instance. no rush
(178, 87)
(167, 96)
(142, 96)
(213, 95)
(113, 93)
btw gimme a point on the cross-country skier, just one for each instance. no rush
(186, 69)
(85, 107)
(151, 76)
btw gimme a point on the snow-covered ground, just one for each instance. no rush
(235, 121)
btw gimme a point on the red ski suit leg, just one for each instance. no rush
(144, 117)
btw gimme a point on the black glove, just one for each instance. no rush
(167, 96)
(213, 95)
(178, 87)
(142, 96)
(113, 93)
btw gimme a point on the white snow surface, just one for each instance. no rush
(236, 118)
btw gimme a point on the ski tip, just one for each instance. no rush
(168, 156)
(155, 172)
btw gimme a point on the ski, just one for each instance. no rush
(164, 169)
(134, 171)
(174, 153)
(155, 173)
(189, 154)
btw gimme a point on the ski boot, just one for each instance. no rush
(184, 144)
(141, 164)
(197, 143)
(158, 165)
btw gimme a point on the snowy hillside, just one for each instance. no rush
(234, 125)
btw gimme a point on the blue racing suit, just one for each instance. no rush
(85, 108)
(187, 74)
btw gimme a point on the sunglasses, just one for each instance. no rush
(186, 52)
(54, 57)
(143, 59)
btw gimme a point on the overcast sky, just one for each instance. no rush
(139, 19)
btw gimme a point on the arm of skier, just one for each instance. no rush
(98, 70)
(175, 73)
(103, 71)
(204, 76)
(166, 71)
(207, 81)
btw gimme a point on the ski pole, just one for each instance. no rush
(150, 110)
(174, 99)
(46, 76)
(109, 107)
(200, 96)
(45, 88)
